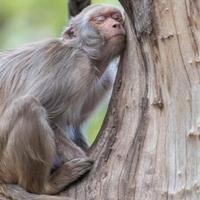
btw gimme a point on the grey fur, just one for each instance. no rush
(47, 91)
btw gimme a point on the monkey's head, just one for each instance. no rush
(98, 30)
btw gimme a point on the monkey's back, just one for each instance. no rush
(57, 75)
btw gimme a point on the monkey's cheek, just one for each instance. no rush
(119, 44)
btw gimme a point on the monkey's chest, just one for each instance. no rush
(65, 97)
(72, 112)
(67, 108)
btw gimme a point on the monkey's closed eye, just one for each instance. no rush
(117, 17)
(100, 18)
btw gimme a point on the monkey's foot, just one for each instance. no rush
(77, 167)
(67, 173)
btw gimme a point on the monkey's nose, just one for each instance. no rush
(117, 25)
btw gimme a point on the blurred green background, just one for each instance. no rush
(25, 21)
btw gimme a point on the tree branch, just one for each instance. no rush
(75, 6)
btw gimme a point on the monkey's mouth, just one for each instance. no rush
(117, 36)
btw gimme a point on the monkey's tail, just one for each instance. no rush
(15, 192)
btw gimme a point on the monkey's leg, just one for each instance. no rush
(15, 192)
(80, 139)
(66, 148)
(29, 152)
(30, 148)
(70, 168)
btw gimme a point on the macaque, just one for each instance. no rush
(47, 91)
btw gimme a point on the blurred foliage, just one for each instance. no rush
(25, 21)
(113, 2)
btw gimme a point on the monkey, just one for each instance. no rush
(47, 91)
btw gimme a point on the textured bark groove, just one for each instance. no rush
(140, 13)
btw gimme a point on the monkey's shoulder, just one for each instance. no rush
(57, 52)
(49, 53)
(50, 46)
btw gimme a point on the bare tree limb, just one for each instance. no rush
(75, 6)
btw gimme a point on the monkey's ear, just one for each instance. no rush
(69, 33)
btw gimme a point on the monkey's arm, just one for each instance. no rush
(95, 96)
(100, 90)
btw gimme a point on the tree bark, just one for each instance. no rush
(75, 6)
(149, 145)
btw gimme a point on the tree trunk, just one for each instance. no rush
(149, 146)
(75, 6)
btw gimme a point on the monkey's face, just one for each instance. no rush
(98, 30)
(109, 23)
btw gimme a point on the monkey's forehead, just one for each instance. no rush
(99, 8)
(95, 9)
